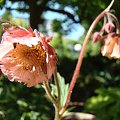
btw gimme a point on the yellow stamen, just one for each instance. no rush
(29, 57)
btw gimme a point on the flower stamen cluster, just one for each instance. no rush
(29, 57)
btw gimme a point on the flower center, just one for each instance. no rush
(29, 57)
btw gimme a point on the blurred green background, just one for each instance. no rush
(98, 86)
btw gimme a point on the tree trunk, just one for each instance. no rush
(36, 13)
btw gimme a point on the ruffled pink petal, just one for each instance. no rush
(49, 39)
(27, 40)
(30, 30)
(106, 50)
(116, 50)
(8, 62)
(18, 35)
(110, 37)
(17, 31)
(39, 75)
(6, 72)
(30, 78)
(5, 48)
(50, 67)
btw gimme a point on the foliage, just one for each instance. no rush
(17, 102)
(2, 2)
(74, 11)
(63, 89)
(65, 47)
(18, 21)
(96, 71)
(7, 16)
(56, 26)
(106, 105)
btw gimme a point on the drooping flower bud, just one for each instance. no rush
(109, 27)
(96, 37)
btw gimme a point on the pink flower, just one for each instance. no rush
(26, 56)
(111, 48)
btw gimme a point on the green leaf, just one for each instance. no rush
(63, 89)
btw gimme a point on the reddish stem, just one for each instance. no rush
(80, 59)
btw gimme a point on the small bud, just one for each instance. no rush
(96, 37)
(109, 27)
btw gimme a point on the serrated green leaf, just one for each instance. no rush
(63, 89)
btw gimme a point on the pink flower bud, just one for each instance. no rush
(109, 27)
(96, 37)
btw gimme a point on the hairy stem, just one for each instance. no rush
(57, 107)
(80, 59)
(57, 116)
(57, 84)
(52, 99)
(48, 91)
